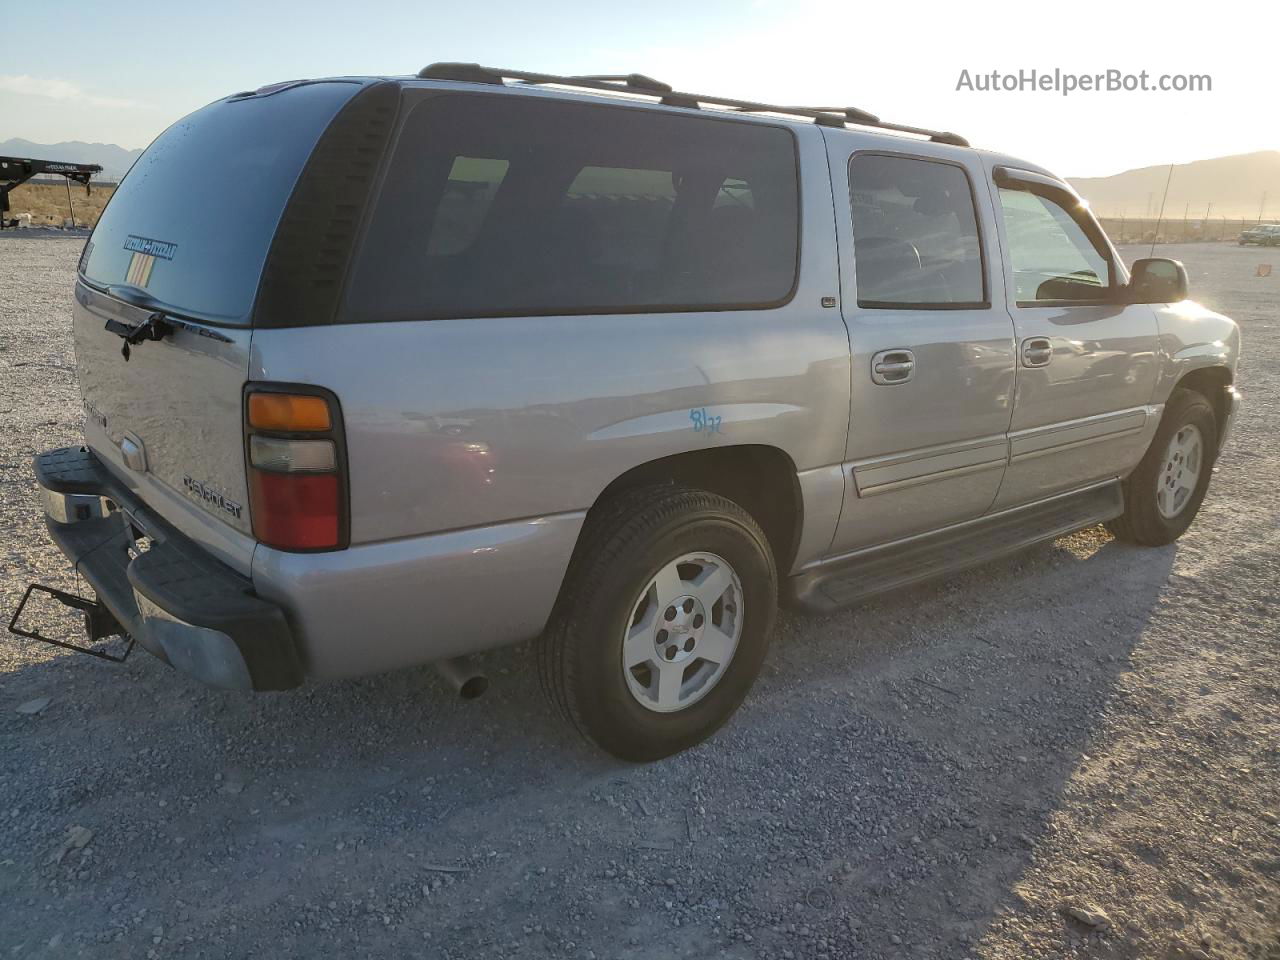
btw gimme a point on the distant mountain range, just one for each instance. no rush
(1235, 186)
(114, 160)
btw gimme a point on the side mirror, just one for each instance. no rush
(1157, 280)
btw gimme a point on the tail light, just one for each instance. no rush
(297, 463)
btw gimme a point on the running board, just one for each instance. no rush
(848, 580)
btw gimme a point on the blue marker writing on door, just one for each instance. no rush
(704, 422)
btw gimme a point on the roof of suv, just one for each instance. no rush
(635, 86)
(643, 91)
(640, 91)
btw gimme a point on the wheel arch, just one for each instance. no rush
(1211, 383)
(761, 479)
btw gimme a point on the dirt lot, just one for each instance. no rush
(942, 773)
(47, 203)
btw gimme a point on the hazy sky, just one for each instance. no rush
(131, 71)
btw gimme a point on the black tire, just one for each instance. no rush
(1142, 522)
(623, 546)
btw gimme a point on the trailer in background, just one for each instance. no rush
(15, 171)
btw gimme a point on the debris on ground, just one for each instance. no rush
(77, 839)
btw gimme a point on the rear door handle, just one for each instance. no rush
(1037, 351)
(889, 367)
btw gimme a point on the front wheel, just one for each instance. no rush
(663, 622)
(1164, 492)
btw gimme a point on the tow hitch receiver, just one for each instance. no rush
(99, 623)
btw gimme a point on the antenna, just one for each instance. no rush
(1159, 219)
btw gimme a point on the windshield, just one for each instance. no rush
(193, 221)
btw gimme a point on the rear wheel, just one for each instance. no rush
(1164, 493)
(663, 622)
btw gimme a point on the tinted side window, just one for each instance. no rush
(1053, 258)
(468, 192)
(504, 205)
(915, 234)
(629, 211)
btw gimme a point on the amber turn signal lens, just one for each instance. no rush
(288, 412)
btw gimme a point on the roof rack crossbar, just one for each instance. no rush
(849, 114)
(638, 83)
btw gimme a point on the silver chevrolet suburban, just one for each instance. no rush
(387, 371)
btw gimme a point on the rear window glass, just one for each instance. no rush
(515, 206)
(192, 222)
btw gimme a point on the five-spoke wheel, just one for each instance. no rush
(683, 632)
(1164, 492)
(1177, 480)
(663, 621)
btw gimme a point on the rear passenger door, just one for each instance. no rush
(932, 359)
(1087, 361)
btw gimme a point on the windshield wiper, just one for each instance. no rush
(155, 327)
(161, 322)
(133, 295)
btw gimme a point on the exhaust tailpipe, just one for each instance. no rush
(461, 674)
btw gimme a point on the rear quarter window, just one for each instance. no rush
(506, 205)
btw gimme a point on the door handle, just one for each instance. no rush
(1037, 351)
(889, 367)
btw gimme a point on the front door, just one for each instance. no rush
(932, 358)
(1087, 361)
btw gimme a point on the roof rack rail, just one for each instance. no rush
(638, 83)
(635, 81)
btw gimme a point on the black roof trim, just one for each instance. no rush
(640, 84)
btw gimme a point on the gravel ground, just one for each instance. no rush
(947, 772)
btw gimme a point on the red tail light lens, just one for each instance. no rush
(295, 511)
(296, 459)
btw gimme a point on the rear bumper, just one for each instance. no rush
(366, 609)
(381, 606)
(173, 598)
